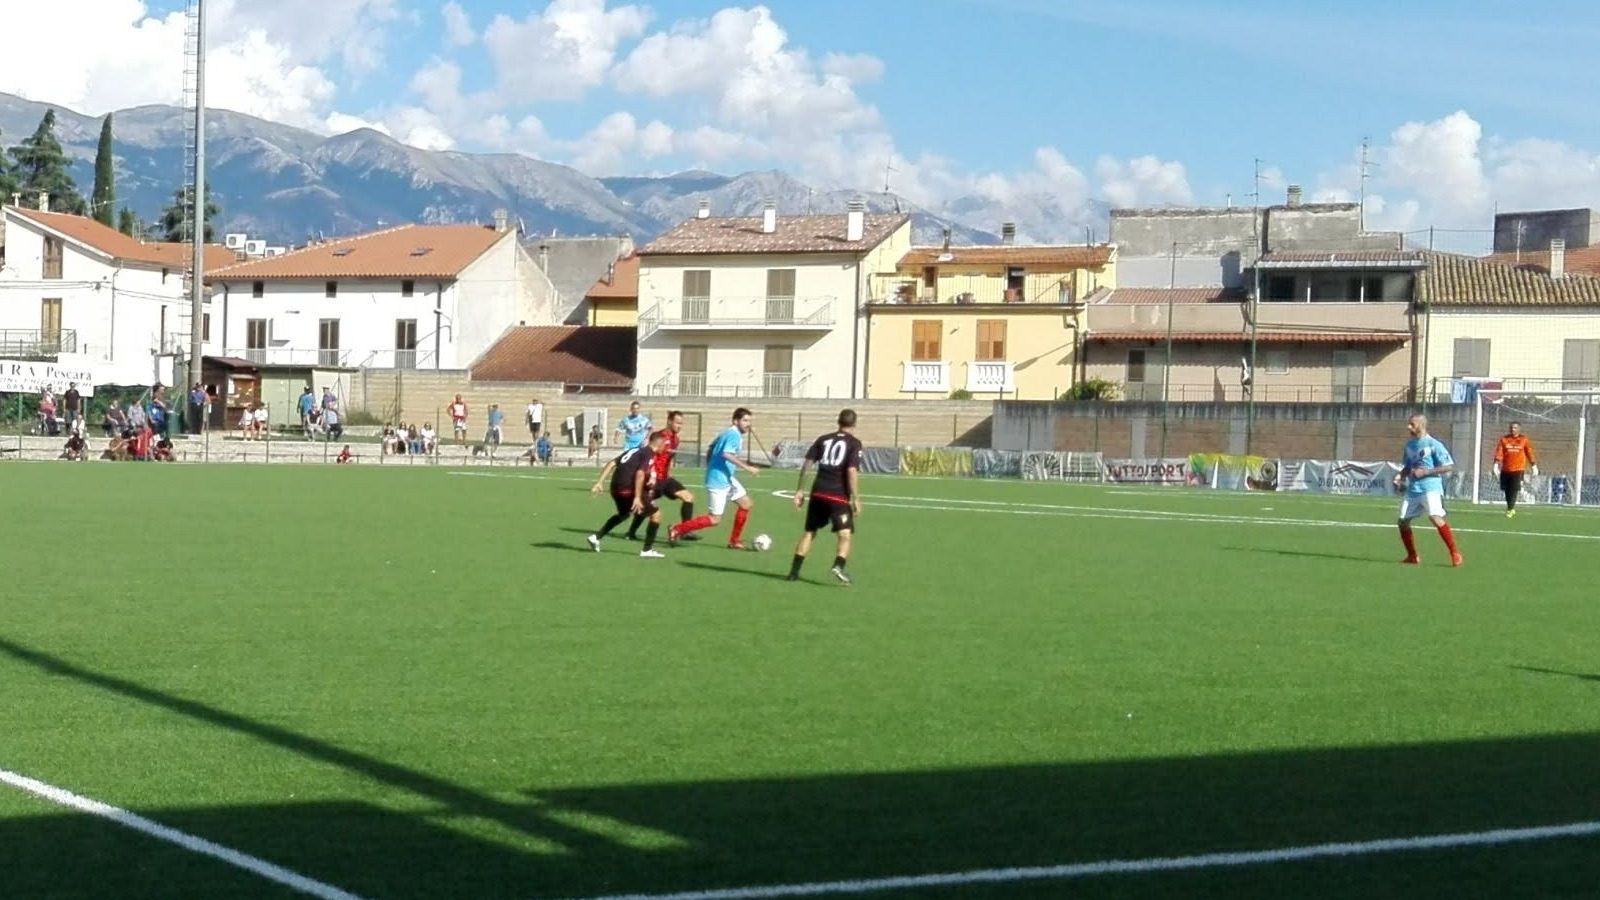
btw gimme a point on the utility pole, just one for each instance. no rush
(197, 275)
(1361, 210)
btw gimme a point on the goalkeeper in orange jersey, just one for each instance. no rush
(1513, 457)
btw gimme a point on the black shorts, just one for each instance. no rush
(820, 512)
(1511, 483)
(625, 505)
(668, 487)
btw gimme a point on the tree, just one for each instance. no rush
(174, 223)
(1092, 389)
(128, 224)
(41, 168)
(103, 202)
(8, 184)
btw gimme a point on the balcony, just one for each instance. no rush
(774, 385)
(925, 376)
(737, 314)
(1382, 318)
(990, 377)
(285, 356)
(28, 344)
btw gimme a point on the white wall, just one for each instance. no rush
(366, 309)
(499, 290)
(1522, 343)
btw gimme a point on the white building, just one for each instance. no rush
(415, 296)
(75, 290)
(765, 306)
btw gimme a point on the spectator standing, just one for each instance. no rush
(542, 446)
(72, 404)
(116, 422)
(136, 416)
(535, 417)
(595, 437)
(197, 408)
(307, 404)
(158, 410)
(47, 411)
(496, 428)
(458, 418)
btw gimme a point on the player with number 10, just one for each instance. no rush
(835, 495)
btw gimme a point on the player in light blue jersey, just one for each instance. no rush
(722, 483)
(634, 427)
(1426, 460)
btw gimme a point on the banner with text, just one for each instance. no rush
(1166, 472)
(1338, 476)
(18, 376)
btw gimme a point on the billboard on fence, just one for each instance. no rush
(1227, 472)
(20, 376)
(1338, 476)
(943, 461)
(1167, 472)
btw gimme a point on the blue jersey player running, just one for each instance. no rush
(722, 484)
(634, 427)
(1426, 459)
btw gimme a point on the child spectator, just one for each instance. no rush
(542, 446)
(75, 449)
(495, 433)
(595, 437)
(163, 451)
(344, 455)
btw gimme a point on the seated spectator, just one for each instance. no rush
(261, 420)
(413, 440)
(386, 440)
(163, 451)
(76, 448)
(430, 439)
(331, 423)
(247, 424)
(117, 449)
(344, 455)
(115, 421)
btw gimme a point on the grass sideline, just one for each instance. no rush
(417, 684)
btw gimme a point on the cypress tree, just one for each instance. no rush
(104, 199)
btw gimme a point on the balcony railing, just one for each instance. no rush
(990, 377)
(777, 384)
(925, 376)
(29, 343)
(754, 313)
(286, 356)
(691, 384)
(694, 384)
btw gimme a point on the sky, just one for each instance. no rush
(981, 109)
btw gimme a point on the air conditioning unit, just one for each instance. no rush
(255, 248)
(235, 241)
(276, 251)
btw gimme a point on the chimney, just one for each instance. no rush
(947, 239)
(611, 273)
(502, 220)
(1558, 258)
(544, 258)
(1008, 233)
(44, 201)
(1294, 195)
(855, 220)
(769, 218)
(705, 210)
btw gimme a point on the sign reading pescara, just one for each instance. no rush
(19, 376)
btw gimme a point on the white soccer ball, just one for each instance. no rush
(763, 542)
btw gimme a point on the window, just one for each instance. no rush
(697, 295)
(1280, 287)
(991, 340)
(692, 370)
(1349, 376)
(405, 343)
(255, 340)
(930, 277)
(1276, 362)
(1471, 358)
(927, 340)
(328, 342)
(331, 290)
(205, 327)
(1145, 376)
(408, 288)
(258, 289)
(780, 295)
(50, 320)
(777, 371)
(1580, 364)
(53, 251)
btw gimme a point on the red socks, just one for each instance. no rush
(1449, 537)
(738, 524)
(1410, 540)
(694, 524)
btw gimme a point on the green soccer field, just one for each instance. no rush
(409, 684)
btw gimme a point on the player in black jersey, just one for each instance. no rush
(835, 495)
(630, 489)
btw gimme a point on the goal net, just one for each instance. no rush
(1562, 428)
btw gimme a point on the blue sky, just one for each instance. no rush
(1024, 108)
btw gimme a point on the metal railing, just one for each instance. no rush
(774, 385)
(777, 384)
(38, 342)
(286, 356)
(738, 312)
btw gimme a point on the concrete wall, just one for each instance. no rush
(621, 313)
(1578, 227)
(1182, 271)
(1039, 347)
(1211, 372)
(1203, 231)
(1323, 227)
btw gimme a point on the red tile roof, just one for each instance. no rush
(623, 283)
(1064, 256)
(1579, 261)
(794, 234)
(1268, 337)
(1451, 280)
(408, 251)
(115, 244)
(587, 355)
(1160, 296)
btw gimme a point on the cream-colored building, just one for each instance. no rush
(1000, 321)
(613, 301)
(764, 306)
(1525, 328)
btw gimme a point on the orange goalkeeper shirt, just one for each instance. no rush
(1514, 454)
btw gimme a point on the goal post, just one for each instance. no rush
(1559, 425)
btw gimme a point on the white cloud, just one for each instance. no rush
(617, 139)
(1439, 163)
(855, 67)
(457, 25)
(312, 31)
(559, 53)
(344, 123)
(1143, 181)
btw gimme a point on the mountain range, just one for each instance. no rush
(287, 185)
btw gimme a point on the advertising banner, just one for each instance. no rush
(1346, 477)
(1167, 472)
(23, 377)
(1227, 472)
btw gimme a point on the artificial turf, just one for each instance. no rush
(419, 683)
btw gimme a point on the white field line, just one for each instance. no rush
(188, 842)
(1136, 866)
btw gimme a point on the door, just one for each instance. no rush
(777, 379)
(780, 296)
(53, 253)
(405, 343)
(255, 340)
(1349, 376)
(692, 370)
(328, 342)
(1146, 379)
(50, 324)
(697, 296)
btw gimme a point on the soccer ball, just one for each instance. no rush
(763, 542)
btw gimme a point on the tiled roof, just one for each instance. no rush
(794, 234)
(1170, 295)
(586, 355)
(1067, 257)
(1579, 261)
(1343, 258)
(624, 282)
(408, 251)
(1451, 280)
(117, 245)
(1265, 337)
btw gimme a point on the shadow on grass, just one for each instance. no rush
(558, 545)
(1578, 675)
(699, 834)
(1317, 554)
(735, 570)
